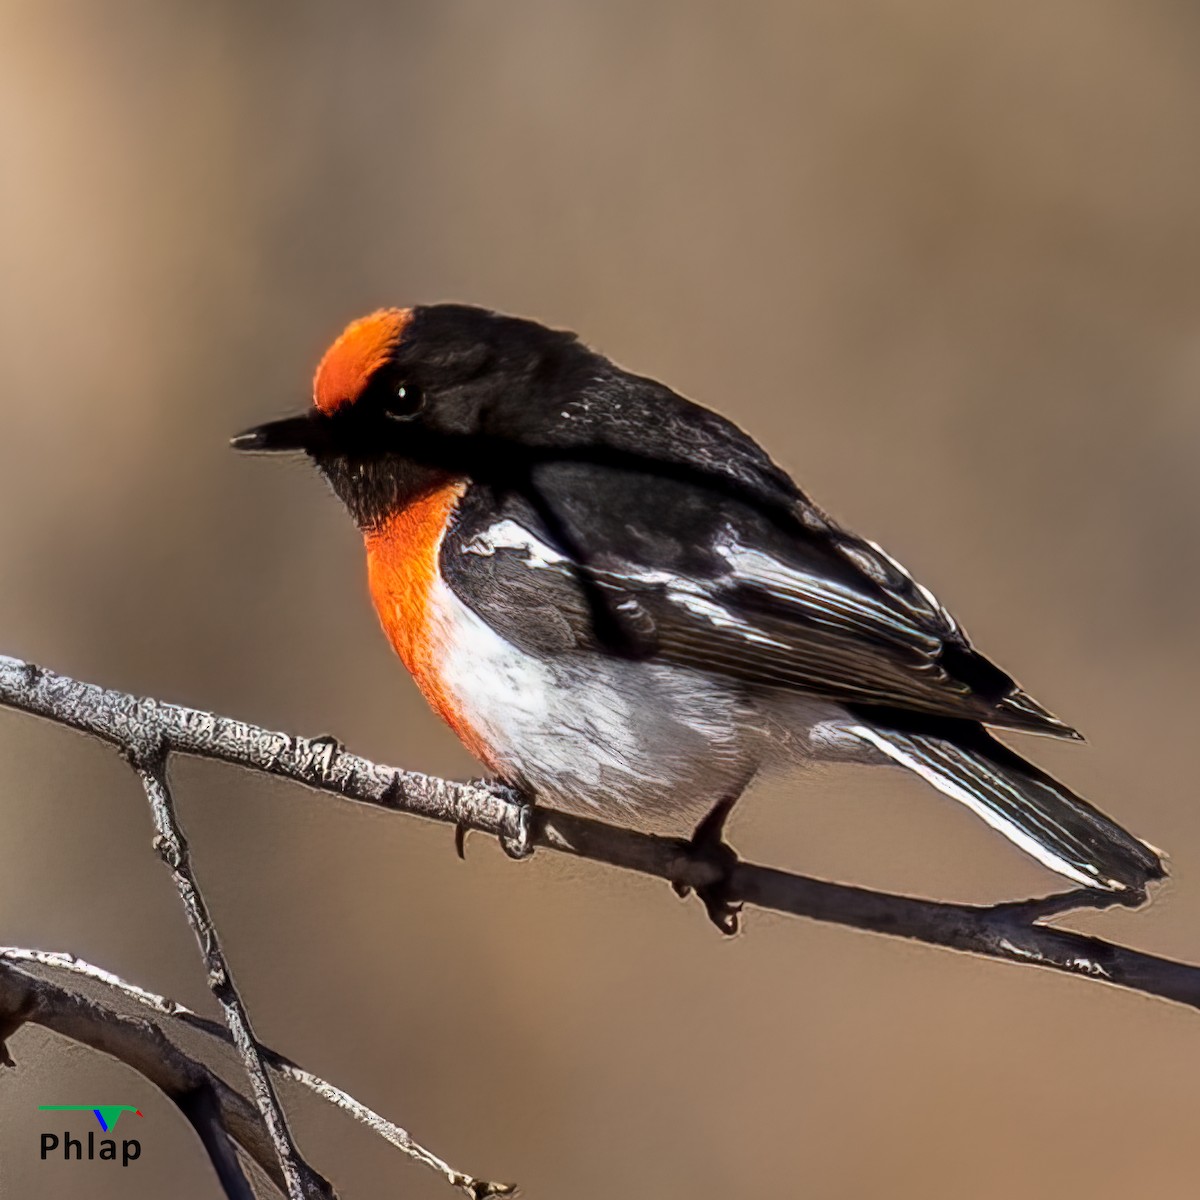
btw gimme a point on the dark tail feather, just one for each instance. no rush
(1034, 811)
(1019, 710)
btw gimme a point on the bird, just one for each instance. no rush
(626, 609)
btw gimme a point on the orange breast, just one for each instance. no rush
(402, 570)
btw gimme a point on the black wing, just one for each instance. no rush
(735, 573)
(660, 529)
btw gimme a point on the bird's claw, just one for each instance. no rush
(516, 839)
(518, 843)
(708, 848)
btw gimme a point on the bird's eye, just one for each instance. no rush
(403, 400)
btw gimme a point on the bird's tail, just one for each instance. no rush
(1034, 811)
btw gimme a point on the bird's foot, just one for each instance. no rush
(516, 839)
(517, 842)
(708, 848)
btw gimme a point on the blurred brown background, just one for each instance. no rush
(942, 258)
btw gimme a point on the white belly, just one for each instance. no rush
(594, 734)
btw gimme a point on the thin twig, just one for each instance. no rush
(162, 1006)
(1013, 934)
(301, 1181)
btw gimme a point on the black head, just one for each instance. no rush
(406, 398)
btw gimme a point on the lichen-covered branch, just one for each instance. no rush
(1013, 933)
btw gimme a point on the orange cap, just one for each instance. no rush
(363, 347)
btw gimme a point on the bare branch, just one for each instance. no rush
(479, 1189)
(1013, 933)
(301, 1181)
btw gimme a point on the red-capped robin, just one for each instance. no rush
(624, 608)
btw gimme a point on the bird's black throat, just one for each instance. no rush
(374, 489)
